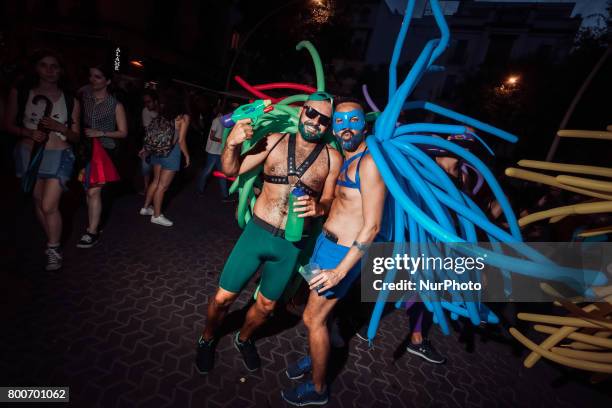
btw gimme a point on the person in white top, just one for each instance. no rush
(43, 114)
(149, 111)
(213, 156)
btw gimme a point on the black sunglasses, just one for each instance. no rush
(312, 113)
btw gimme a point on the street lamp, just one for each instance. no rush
(513, 80)
(508, 86)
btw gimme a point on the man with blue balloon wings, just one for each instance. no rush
(353, 223)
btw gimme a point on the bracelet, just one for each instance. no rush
(360, 246)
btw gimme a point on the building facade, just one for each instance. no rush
(481, 33)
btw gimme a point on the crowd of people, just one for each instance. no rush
(77, 134)
(61, 134)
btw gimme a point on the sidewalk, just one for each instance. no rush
(119, 325)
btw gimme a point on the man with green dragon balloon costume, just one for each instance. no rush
(295, 160)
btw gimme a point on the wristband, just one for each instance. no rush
(360, 246)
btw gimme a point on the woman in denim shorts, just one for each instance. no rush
(173, 112)
(41, 112)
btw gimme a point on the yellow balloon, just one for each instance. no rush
(577, 345)
(585, 208)
(586, 183)
(551, 181)
(557, 219)
(603, 291)
(585, 134)
(570, 168)
(574, 322)
(583, 355)
(596, 231)
(584, 338)
(553, 339)
(570, 362)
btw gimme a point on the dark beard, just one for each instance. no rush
(346, 132)
(307, 136)
(316, 126)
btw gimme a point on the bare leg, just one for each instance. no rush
(94, 208)
(315, 318)
(152, 186)
(217, 309)
(50, 210)
(38, 194)
(164, 182)
(146, 182)
(256, 316)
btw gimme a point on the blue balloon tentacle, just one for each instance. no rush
(397, 49)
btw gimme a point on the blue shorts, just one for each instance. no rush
(55, 163)
(328, 255)
(170, 162)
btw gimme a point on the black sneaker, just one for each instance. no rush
(249, 353)
(205, 357)
(54, 259)
(426, 351)
(88, 240)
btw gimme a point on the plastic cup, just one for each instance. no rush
(309, 271)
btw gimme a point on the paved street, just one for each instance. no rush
(119, 324)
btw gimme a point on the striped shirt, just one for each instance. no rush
(100, 116)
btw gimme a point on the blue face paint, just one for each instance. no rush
(355, 122)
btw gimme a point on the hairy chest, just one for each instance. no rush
(313, 174)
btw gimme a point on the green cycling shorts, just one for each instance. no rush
(257, 247)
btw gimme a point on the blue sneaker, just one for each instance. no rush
(297, 370)
(305, 394)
